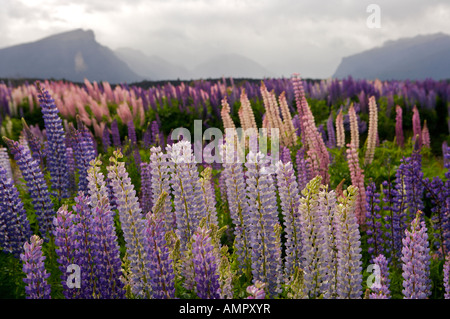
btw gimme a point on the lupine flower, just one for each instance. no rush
(37, 286)
(146, 188)
(115, 133)
(373, 131)
(55, 147)
(348, 244)
(315, 240)
(290, 200)
(413, 176)
(188, 198)
(303, 171)
(331, 132)
(447, 277)
(160, 183)
(36, 184)
(285, 155)
(399, 127)
(5, 162)
(264, 236)
(107, 263)
(106, 139)
(133, 226)
(373, 223)
(235, 189)
(34, 144)
(71, 167)
(416, 261)
(380, 289)
(417, 130)
(205, 265)
(14, 225)
(357, 177)
(132, 132)
(160, 263)
(209, 197)
(426, 135)
(65, 247)
(340, 131)
(354, 130)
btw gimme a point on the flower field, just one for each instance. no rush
(343, 192)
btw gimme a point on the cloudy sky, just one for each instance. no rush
(309, 37)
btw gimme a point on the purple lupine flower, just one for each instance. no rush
(205, 265)
(133, 226)
(285, 155)
(233, 173)
(83, 151)
(107, 262)
(373, 222)
(302, 169)
(399, 127)
(417, 130)
(14, 225)
(209, 196)
(160, 182)
(380, 288)
(146, 188)
(132, 132)
(413, 176)
(315, 210)
(106, 139)
(160, 263)
(156, 135)
(115, 133)
(261, 207)
(87, 246)
(416, 261)
(71, 167)
(189, 202)
(348, 244)
(447, 277)
(296, 123)
(34, 269)
(65, 248)
(331, 132)
(55, 148)
(34, 143)
(36, 184)
(256, 291)
(290, 201)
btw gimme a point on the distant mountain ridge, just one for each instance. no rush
(420, 57)
(72, 55)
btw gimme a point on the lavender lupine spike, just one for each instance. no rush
(399, 127)
(188, 198)
(87, 246)
(37, 286)
(132, 132)
(36, 184)
(14, 225)
(331, 132)
(286, 155)
(303, 172)
(315, 246)
(146, 188)
(84, 153)
(65, 248)
(205, 265)
(263, 216)
(416, 261)
(160, 262)
(133, 226)
(55, 147)
(413, 177)
(447, 277)
(5, 162)
(106, 139)
(349, 247)
(290, 201)
(235, 189)
(209, 197)
(107, 265)
(380, 288)
(71, 167)
(373, 222)
(115, 133)
(160, 183)
(34, 144)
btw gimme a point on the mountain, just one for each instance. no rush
(72, 55)
(153, 68)
(420, 57)
(230, 65)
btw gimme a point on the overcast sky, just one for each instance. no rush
(309, 37)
